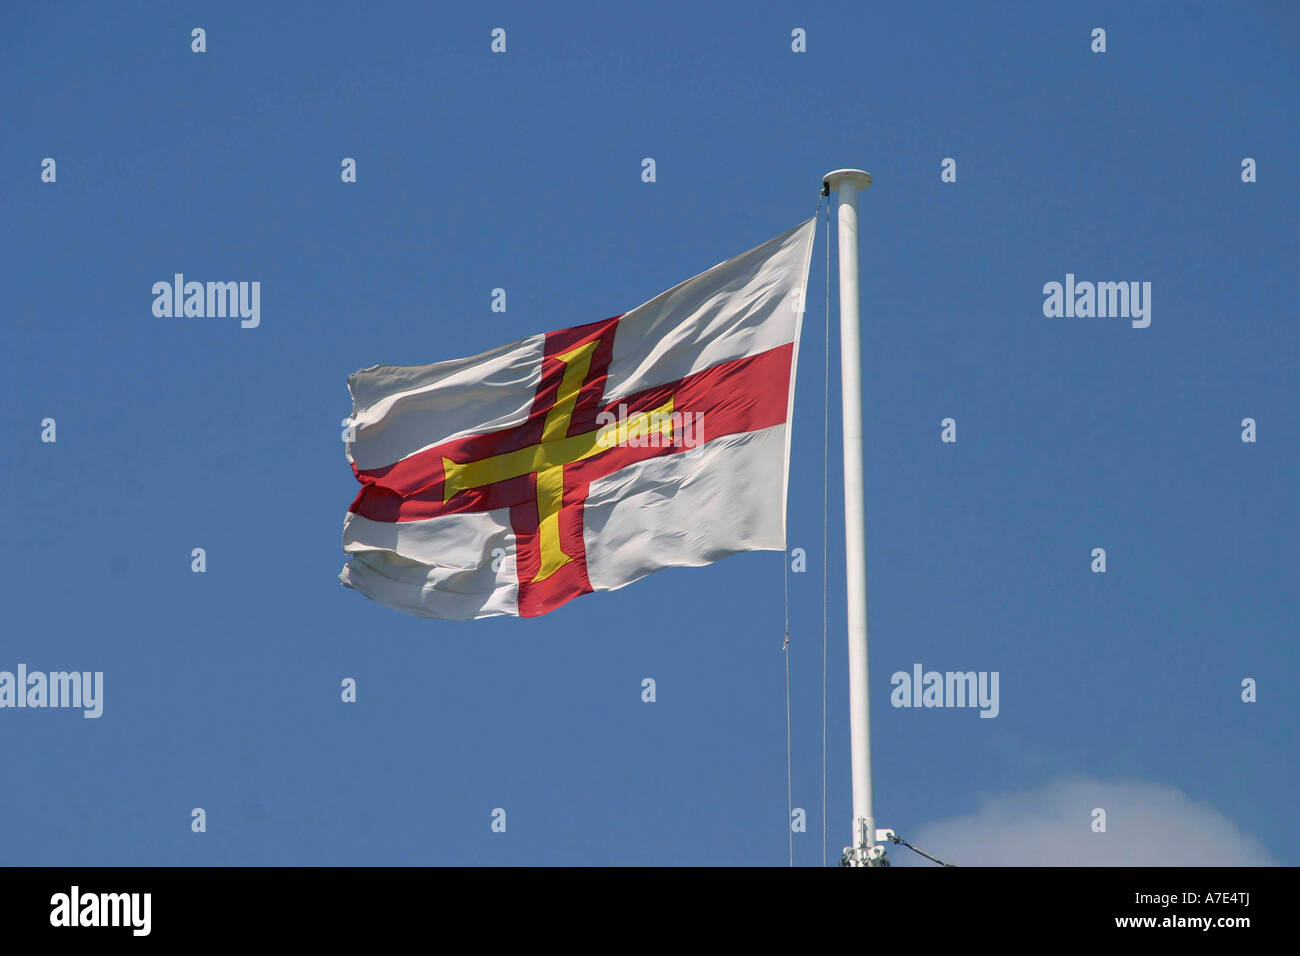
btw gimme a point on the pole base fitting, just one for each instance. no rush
(868, 853)
(865, 856)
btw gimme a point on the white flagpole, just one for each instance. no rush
(863, 851)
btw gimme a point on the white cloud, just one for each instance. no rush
(1147, 824)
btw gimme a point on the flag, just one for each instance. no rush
(583, 459)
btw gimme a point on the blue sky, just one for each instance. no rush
(523, 171)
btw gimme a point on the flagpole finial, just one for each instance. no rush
(856, 177)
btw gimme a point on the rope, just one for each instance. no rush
(785, 645)
(826, 452)
(897, 839)
(789, 798)
(785, 649)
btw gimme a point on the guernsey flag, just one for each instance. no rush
(585, 458)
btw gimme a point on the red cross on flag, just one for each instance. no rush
(585, 458)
